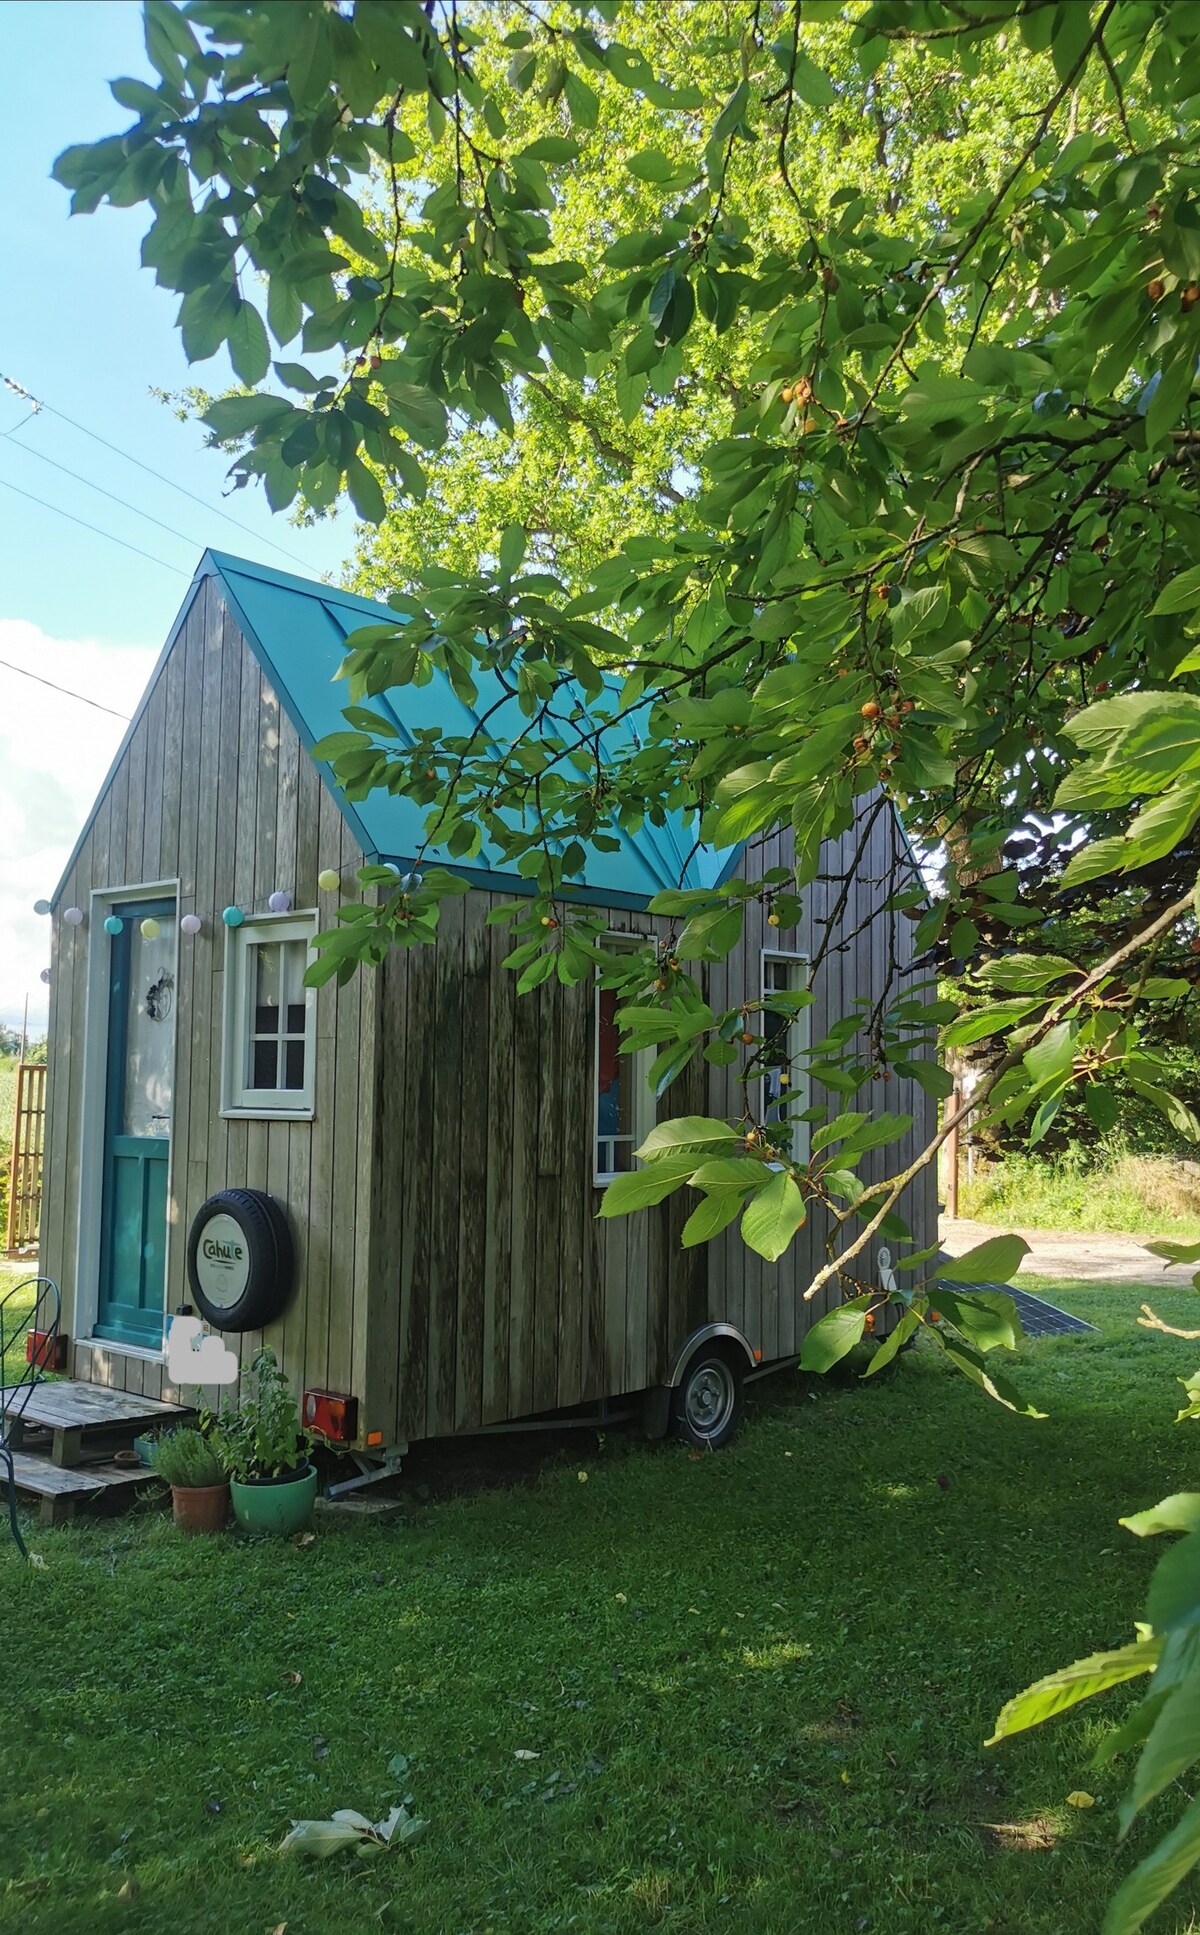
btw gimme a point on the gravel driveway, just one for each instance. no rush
(1073, 1255)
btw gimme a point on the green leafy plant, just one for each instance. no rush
(186, 1458)
(262, 1436)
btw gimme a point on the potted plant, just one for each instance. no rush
(199, 1488)
(264, 1449)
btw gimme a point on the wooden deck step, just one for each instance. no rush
(59, 1488)
(80, 1415)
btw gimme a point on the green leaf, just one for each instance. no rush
(1027, 973)
(811, 83)
(643, 1187)
(989, 1318)
(1182, 594)
(710, 1217)
(772, 1218)
(652, 165)
(1175, 1252)
(710, 936)
(730, 1172)
(978, 1023)
(365, 493)
(1051, 1057)
(1060, 1691)
(1172, 1746)
(512, 549)
(1154, 1878)
(968, 1360)
(688, 1132)
(835, 1334)
(1178, 1513)
(995, 1261)
(1174, 1595)
(555, 148)
(1093, 861)
(895, 1341)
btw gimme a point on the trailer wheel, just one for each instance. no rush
(707, 1402)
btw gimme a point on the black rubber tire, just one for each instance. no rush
(713, 1380)
(264, 1230)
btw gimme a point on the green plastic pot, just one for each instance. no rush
(283, 1505)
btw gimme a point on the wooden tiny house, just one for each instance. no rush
(433, 1140)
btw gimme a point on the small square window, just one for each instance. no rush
(270, 1034)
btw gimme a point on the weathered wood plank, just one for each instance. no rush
(446, 1131)
(551, 1131)
(478, 1101)
(498, 1256)
(67, 1403)
(527, 1078)
(419, 1206)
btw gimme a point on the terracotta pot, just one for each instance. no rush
(200, 1508)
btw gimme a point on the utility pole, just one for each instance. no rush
(25, 1030)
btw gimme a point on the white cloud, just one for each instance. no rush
(54, 754)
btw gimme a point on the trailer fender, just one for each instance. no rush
(705, 1335)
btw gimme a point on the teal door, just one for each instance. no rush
(137, 1125)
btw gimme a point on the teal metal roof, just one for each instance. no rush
(297, 630)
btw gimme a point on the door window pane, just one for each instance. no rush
(150, 1030)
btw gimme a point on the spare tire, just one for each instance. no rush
(239, 1260)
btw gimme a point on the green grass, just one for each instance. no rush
(758, 1684)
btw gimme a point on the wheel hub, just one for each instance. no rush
(709, 1397)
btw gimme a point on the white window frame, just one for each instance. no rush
(798, 1039)
(237, 1099)
(645, 1104)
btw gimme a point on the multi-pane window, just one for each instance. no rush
(279, 1022)
(624, 1104)
(270, 1036)
(783, 1044)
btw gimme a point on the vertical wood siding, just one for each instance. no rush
(214, 787)
(494, 1290)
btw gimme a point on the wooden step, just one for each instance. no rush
(77, 1414)
(59, 1488)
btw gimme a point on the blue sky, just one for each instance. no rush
(84, 328)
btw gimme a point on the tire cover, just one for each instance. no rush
(239, 1260)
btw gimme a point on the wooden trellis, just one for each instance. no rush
(25, 1169)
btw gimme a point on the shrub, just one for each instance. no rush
(1107, 1189)
(185, 1458)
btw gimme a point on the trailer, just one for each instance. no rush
(394, 1183)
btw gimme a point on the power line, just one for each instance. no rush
(212, 510)
(64, 689)
(70, 515)
(112, 497)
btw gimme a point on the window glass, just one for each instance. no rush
(277, 1046)
(783, 1041)
(616, 1100)
(271, 1017)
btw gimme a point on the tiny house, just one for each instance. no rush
(395, 1182)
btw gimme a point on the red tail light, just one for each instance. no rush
(331, 1416)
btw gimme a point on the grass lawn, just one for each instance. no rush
(757, 1684)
